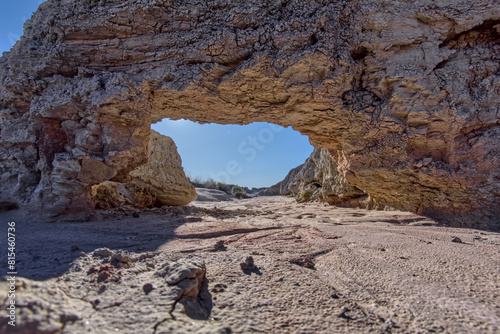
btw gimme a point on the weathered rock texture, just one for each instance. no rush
(211, 195)
(161, 181)
(404, 95)
(117, 296)
(163, 174)
(319, 179)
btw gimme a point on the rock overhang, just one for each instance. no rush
(403, 96)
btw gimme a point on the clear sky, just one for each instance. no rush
(12, 16)
(254, 155)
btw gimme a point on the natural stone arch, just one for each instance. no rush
(396, 93)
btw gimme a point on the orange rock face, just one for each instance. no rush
(403, 95)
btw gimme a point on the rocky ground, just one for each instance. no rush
(316, 269)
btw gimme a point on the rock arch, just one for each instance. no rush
(403, 95)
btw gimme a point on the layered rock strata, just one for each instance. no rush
(404, 95)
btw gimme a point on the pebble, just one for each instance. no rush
(219, 245)
(220, 287)
(147, 288)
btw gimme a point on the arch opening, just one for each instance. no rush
(255, 155)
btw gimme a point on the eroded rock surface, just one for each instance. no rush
(404, 95)
(161, 181)
(319, 179)
(101, 294)
(211, 195)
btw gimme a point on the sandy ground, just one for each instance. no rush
(318, 269)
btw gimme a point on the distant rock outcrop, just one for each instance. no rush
(161, 181)
(404, 95)
(319, 179)
(211, 195)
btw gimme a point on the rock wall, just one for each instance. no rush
(404, 95)
(319, 179)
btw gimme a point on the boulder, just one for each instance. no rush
(163, 174)
(161, 181)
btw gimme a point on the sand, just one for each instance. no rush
(318, 269)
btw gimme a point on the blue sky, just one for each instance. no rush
(12, 16)
(254, 155)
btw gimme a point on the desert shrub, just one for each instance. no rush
(210, 184)
(238, 191)
(222, 187)
(304, 197)
(201, 183)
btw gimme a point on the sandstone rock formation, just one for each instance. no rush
(161, 181)
(404, 95)
(163, 174)
(211, 195)
(319, 179)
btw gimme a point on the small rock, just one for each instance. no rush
(248, 264)
(135, 214)
(219, 245)
(280, 279)
(122, 265)
(343, 313)
(103, 252)
(304, 262)
(426, 161)
(334, 296)
(102, 288)
(103, 276)
(121, 260)
(382, 249)
(457, 240)
(75, 249)
(219, 288)
(147, 288)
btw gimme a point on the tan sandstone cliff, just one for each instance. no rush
(404, 95)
